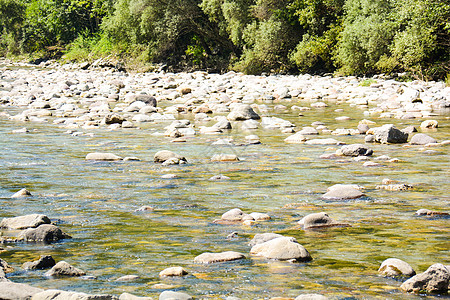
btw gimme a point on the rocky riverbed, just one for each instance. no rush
(222, 186)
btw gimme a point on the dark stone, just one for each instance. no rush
(45, 262)
(147, 99)
(389, 134)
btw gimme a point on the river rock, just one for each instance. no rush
(173, 271)
(166, 155)
(429, 124)
(63, 268)
(259, 216)
(308, 131)
(427, 212)
(46, 233)
(208, 257)
(355, 150)
(102, 156)
(5, 266)
(434, 280)
(282, 248)
(113, 118)
(342, 192)
(17, 291)
(127, 296)
(44, 262)
(224, 158)
(22, 193)
(3, 276)
(242, 112)
(235, 215)
(296, 138)
(363, 128)
(388, 134)
(263, 237)
(147, 99)
(311, 297)
(63, 295)
(170, 295)
(393, 267)
(317, 220)
(128, 278)
(327, 141)
(421, 139)
(23, 222)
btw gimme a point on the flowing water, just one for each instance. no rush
(95, 203)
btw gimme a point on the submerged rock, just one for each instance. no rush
(342, 192)
(434, 280)
(427, 212)
(208, 257)
(282, 248)
(102, 156)
(22, 222)
(393, 267)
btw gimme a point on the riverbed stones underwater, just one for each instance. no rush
(203, 108)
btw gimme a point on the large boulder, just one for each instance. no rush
(17, 291)
(166, 155)
(46, 233)
(282, 248)
(23, 222)
(355, 150)
(44, 262)
(422, 139)
(393, 267)
(63, 295)
(147, 99)
(342, 192)
(63, 268)
(389, 134)
(242, 112)
(434, 280)
(208, 257)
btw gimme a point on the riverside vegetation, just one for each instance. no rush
(220, 186)
(349, 37)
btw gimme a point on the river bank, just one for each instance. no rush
(87, 146)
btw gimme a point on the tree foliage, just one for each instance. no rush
(253, 36)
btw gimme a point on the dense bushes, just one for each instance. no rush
(253, 36)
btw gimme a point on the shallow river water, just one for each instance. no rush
(95, 203)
